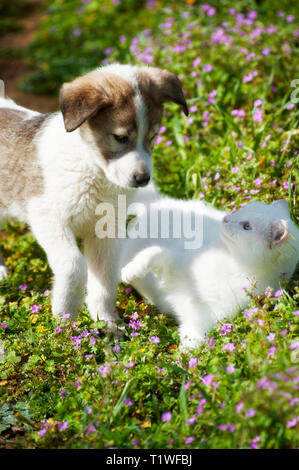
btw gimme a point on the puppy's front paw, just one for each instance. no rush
(129, 275)
(3, 272)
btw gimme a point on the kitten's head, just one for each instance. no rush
(258, 232)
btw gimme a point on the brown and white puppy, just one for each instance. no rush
(55, 169)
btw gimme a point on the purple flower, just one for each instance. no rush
(62, 426)
(240, 113)
(192, 362)
(42, 432)
(189, 440)
(130, 364)
(258, 181)
(207, 379)
(136, 325)
(248, 78)
(266, 51)
(271, 29)
(191, 420)
(154, 339)
(292, 422)
(227, 427)
(239, 407)
(211, 342)
(230, 369)
(290, 106)
(128, 402)
(104, 370)
(228, 347)
(77, 32)
(166, 416)
(258, 115)
(35, 308)
(278, 293)
(271, 351)
(254, 442)
(225, 328)
(290, 18)
(187, 385)
(23, 287)
(257, 103)
(207, 67)
(250, 413)
(196, 62)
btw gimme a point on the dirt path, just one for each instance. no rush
(13, 70)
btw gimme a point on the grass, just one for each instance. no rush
(74, 387)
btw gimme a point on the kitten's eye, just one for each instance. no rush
(121, 139)
(246, 225)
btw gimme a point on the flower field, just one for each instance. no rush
(72, 386)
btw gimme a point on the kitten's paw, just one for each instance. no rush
(3, 272)
(129, 274)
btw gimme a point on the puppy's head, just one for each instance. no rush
(118, 110)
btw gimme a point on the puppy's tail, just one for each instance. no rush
(2, 89)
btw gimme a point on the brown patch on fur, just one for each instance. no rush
(96, 91)
(118, 112)
(20, 174)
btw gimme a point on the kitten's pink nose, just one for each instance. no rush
(225, 219)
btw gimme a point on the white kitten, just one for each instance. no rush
(256, 246)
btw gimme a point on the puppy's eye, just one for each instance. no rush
(246, 225)
(121, 139)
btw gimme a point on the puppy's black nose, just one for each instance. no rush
(141, 179)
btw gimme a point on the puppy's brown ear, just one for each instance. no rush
(171, 90)
(166, 84)
(80, 100)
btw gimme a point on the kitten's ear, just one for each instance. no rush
(278, 233)
(283, 205)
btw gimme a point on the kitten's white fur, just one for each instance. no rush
(200, 287)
